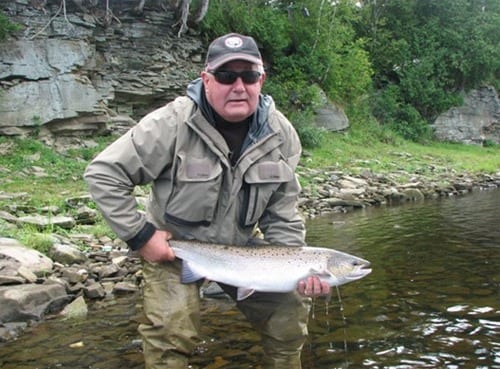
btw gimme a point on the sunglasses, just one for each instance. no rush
(227, 77)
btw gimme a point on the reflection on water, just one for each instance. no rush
(432, 301)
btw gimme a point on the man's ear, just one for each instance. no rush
(263, 78)
(205, 79)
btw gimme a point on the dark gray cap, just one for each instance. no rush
(230, 47)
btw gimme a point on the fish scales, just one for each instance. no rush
(269, 268)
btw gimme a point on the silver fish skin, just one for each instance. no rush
(269, 268)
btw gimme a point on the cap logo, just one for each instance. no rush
(233, 42)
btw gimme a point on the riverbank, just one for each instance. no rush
(433, 271)
(83, 264)
(336, 191)
(82, 261)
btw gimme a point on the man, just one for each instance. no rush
(221, 162)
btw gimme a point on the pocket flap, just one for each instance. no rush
(269, 172)
(197, 169)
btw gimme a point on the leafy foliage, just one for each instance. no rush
(414, 56)
(310, 135)
(425, 52)
(307, 45)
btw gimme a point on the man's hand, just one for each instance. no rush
(312, 286)
(157, 248)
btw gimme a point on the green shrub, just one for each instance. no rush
(390, 109)
(310, 135)
(6, 26)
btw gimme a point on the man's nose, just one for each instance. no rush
(239, 84)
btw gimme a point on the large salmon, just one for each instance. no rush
(268, 268)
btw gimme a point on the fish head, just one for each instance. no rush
(343, 268)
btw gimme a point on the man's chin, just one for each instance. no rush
(236, 116)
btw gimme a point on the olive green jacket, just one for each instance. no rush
(195, 191)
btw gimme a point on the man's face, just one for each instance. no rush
(235, 101)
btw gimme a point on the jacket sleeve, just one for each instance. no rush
(136, 158)
(281, 222)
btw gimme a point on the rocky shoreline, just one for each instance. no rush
(79, 267)
(336, 191)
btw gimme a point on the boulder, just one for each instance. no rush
(13, 255)
(31, 301)
(42, 222)
(331, 117)
(67, 254)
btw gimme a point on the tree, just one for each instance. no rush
(307, 44)
(425, 52)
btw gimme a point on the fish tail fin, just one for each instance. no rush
(244, 292)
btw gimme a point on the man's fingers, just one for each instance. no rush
(301, 287)
(313, 286)
(325, 288)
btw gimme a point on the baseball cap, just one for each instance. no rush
(232, 46)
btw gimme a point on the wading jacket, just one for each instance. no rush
(195, 191)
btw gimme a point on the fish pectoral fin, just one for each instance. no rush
(319, 273)
(188, 275)
(243, 293)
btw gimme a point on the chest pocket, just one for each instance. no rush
(261, 181)
(194, 196)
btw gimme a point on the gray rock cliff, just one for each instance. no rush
(69, 76)
(476, 122)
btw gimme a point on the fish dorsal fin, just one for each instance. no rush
(244, 292)
(188, 275)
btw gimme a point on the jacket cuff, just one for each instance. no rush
(141, 238)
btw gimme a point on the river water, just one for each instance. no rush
(432, 301)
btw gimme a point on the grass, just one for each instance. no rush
(36, 176)
(48, 177)
(357, 150)
(27, 165)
